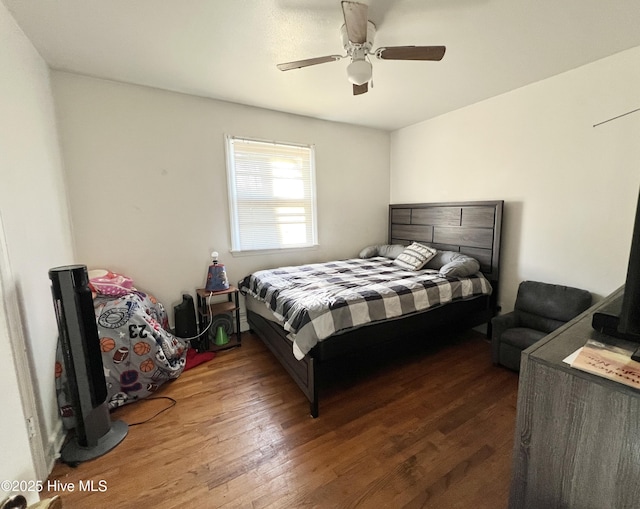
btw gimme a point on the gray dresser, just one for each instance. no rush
(577, 441)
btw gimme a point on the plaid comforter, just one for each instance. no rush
(319, 300)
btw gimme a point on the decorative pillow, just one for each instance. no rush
(387, 250)
(415, 256)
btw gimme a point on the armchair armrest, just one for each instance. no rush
(499, 324)
(503, 322)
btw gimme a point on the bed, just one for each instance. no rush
(469, 228)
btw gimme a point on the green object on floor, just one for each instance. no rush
(221, 337)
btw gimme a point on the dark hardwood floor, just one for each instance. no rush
(431, 428)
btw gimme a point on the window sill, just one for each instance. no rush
(261, 252)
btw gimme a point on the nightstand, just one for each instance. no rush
(217, 305)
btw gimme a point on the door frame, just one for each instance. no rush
(11, 322)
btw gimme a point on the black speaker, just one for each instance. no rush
(95, 434)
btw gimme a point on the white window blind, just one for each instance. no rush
(271, 194)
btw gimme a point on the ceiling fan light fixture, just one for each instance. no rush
(359, 72)
(357, 34)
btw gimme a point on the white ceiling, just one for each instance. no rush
(229, 49)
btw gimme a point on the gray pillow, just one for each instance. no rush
(451, 263)
(369, 252)
(387, 250)
(461, 268)
(391, 250)
(441, 258)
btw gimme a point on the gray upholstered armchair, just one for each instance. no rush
(540, 308)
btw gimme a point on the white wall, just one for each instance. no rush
(570, 189)
(34, 214)
(147, 182)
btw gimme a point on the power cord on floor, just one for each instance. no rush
(173, 403)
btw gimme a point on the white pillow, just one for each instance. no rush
(415, 256)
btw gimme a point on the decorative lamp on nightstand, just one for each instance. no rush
(217, 275)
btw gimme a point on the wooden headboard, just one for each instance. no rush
(472, 228)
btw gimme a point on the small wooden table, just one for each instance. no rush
(208, 309)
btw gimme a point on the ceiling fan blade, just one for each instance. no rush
(355, 18)
(297, 64)
(360, 89)
(411, 53)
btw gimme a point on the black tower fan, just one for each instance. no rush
(95, 433)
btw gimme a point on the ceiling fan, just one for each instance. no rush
(357, 35)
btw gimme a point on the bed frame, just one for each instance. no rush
(472, 228)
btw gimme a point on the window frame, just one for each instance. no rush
(234, 221)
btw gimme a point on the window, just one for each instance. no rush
(271, 194)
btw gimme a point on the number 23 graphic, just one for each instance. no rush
(137, 331)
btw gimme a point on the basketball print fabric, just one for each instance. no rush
(138, 352)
